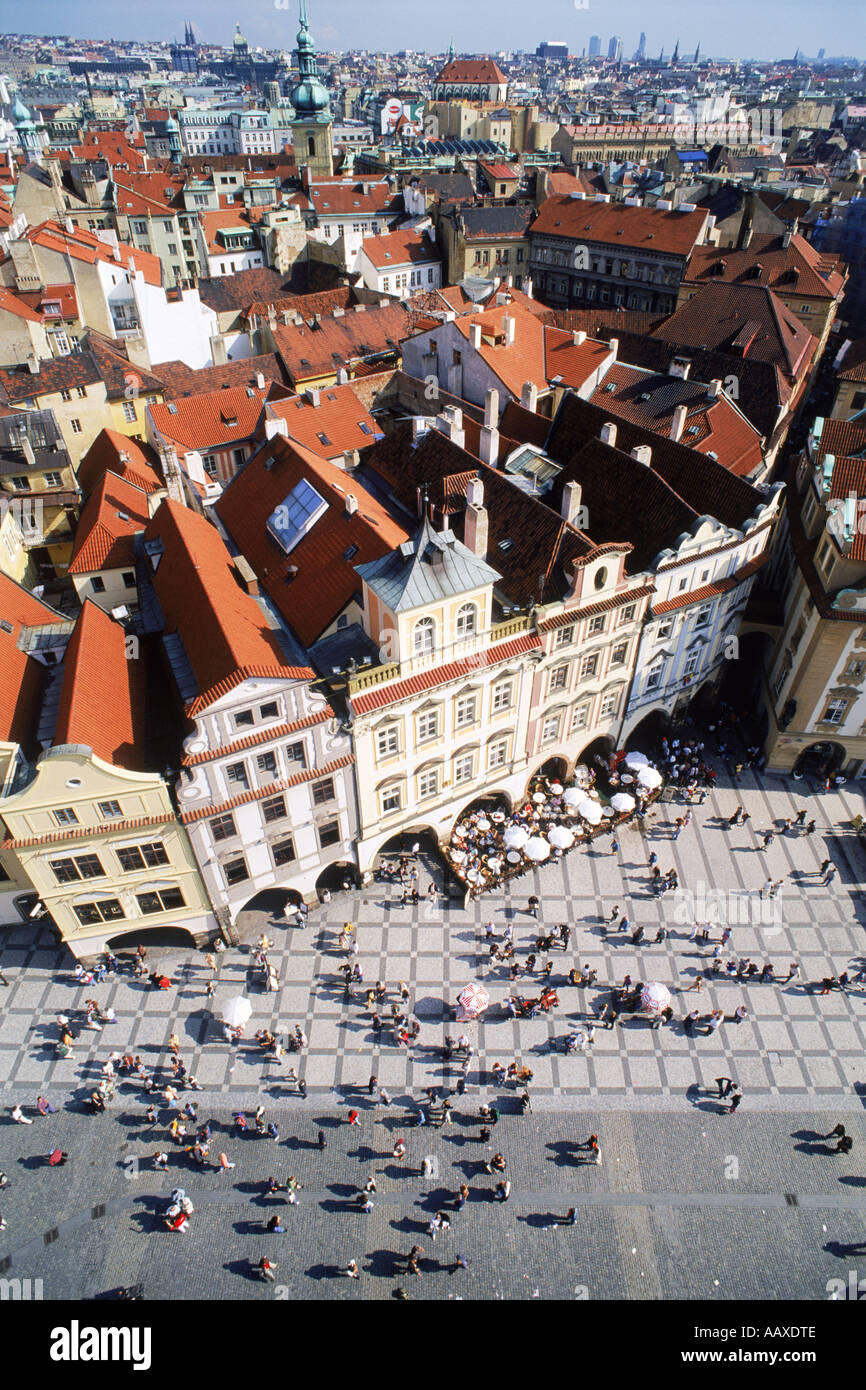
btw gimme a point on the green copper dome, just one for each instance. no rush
(309, 97)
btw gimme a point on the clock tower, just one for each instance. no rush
(311, 127)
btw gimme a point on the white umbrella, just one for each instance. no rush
(622, 802)
(556, 788)
(655, 996)
(590, 810)
(573, 795)
(472, 1001)
(515, 837)
(637, 760)
(560, 836)
(236, 1011)
(483, 823)
(537, 849)
(538, 798)
(650, 778)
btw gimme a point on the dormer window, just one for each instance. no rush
(424, 636)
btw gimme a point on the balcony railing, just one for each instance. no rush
(473, 646)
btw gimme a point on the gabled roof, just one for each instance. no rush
(103, 699)
(853, 367)
(712, 424)
(97, 363)
(793, 269)
(125, 457)
(745, 321)
(524, 359)
(342, 198)
(225, 633)
(432, 566)
(81, 245)
(21, 676)
(233, 219)
(136, 194)
(180, 380)
(310, 351)
(313, 583)
(114, 513)
(339, 417)
(574, 362)
(11, 303)
(640, 229)
(508, 222)
(406, 247)
(843, 438)
(212, 419)
(223, 293)
(472, 71)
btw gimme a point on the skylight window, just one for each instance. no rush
(297, 515)
(323, 439)
(364, 427)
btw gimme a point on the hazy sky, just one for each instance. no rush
(737, 28)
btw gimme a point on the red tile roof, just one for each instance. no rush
(103, 700)
(85, 832)
(472, 71)
(321, 349)
(842, 438)
(406, 247)
(205, 421)
(645, 229)
(233, 219)
(500, 171)
(745, 321)
(853, 366)
(339, 417)
(776, 262)
(114, 513)
(180, 380)
(321, 579)
(707, 591)
(347, 197)
(524, 360)
(81, 245)
(139, 194)
(117, 453)
(224, 631)
(11, 303)
(574, 362)
(453, 670)
(21, 676)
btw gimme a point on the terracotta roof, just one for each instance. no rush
(321, 579)
(85, 832)
(21, 676)
(103, 699)
(106, 454)
(853, 366)
(225, 633)
(441, 675)
(524, 360)
(472, 71)
(842, 438)
(400, 248)
(114, 513)
(43, 301)
(96, 364)
(266, 735)
(339, 418)
(500, 171)
(310, 774)
(306, 306)
(137, 194)
(180, 380)
(574, 362)
(211, 420)
(745, 321)
(792, 270)
(230, 219)
(591, 610)
(347, 197)
(223, 293)
(81, 245)
(708, 591)
(11, 303)
(712, 425)
(849, 480)
(310, 352)
(614, 224)
(114, 146)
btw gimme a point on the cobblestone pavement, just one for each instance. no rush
(698, 1206)
(658, 1219)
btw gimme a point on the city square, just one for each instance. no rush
(676, 1172)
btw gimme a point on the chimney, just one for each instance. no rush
(351, 504)
(529, 395)
(312, 396)
(351, 459)
(475, 529)
(614, 347)
(33, 364)
(745, 237)
(260, 380)
(218, 350)
(570, 506)
(786, 238)
(450, 423)
(491, 409)
(171, 473)
(643, 453)
(475, 335)
(27, 449)
(246, 575)
(475, 493)
(488, 448)
(286, 317)
(509, 326)
(678, 423)
(680, 366)
(608, 434)
(69, 226)
(337, 312)
(579, 338)
(420, 426)
(273, 426)
(714, 389)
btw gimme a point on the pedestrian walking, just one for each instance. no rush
(736, 1100)
(353, 1118)
(532, 907)
(19, 1117)
(399, 1149)
(267, 1268)
(352, 1271)
(460, 1262)
(725, 1085)
(44, 1106)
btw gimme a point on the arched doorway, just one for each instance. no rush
(553, 770)
(151, 937)
(819, 760)
(418, 840)
(339, 877)
(491, 801)
(646, 735)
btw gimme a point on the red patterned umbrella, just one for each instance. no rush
(473, 1000)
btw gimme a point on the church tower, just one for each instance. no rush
(314, 145)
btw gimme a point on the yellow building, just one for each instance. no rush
(91, 825)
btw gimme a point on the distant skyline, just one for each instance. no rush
(737, 29)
